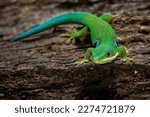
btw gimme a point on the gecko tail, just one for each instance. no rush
(75, 17)
(26, 34)
(41, 27)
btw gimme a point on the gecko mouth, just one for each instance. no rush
(106, 60)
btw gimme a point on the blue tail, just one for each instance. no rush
(76, 17)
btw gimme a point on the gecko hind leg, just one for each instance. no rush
(72, 36)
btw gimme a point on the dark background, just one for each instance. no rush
(41, 67)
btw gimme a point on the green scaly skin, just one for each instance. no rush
(103, 37)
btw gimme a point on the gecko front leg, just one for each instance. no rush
(87, 56)
(121, 50)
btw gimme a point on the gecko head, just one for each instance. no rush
(103, 54)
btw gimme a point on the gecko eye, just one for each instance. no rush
(96, 43)
(116, 43)
(108, 54)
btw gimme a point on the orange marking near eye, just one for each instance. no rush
(100, 39)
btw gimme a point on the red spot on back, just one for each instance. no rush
(106, 36)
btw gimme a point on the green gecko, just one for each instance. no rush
(105, 44)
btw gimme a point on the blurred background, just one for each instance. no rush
(17, 15)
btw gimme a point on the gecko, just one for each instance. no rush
(105, 47)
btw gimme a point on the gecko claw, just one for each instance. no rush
(126, 59)
(71, 38)
(82, 61)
